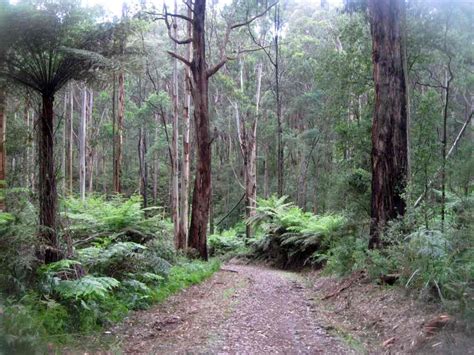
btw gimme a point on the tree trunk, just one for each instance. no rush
(48, 198)
(156, 167)
(70, 141)
(104, 167)
(280, 165)
(82, 146)
(202, 183)
(26, 157)
(143, 166)
(180, 242)
(90, 129)
(33, 150)
(266, 177)
(185, 166)
(389, 128)
(444, 142)
(2, 146)
(119, 134)
(64, 148)
(211, 214)
(251, 173)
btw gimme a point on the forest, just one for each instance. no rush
(159, 159)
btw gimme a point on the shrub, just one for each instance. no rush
(294, 238)
(228, 242)
(344, 255)
(122, 258)
(18, 244)
(96, 214)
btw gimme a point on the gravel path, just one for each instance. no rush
(240, 310)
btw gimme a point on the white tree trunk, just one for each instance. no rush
(185, 165)
(71, 139)
(82, 146)
(180, 244)
(90, 149)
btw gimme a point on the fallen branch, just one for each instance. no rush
(356, 277)
(228, 270)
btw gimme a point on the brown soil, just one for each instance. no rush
(246, 309)
(240, 310)
(387, 320)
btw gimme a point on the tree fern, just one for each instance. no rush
(87, 287)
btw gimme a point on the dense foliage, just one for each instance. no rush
(293, 237)
(290, 112)
(123, 259)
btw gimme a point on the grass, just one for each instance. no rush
(34, 324)
(185, 275)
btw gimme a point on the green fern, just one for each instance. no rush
(86, 288)
(291, 235)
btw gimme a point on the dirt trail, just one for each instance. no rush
(240, 310)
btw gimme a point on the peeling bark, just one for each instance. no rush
(389, 128)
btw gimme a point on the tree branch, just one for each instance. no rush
(170, 34)
(224, 57)
(264, 48)
(183, 17)
(180, 58)
(250, 20)
(211, 71)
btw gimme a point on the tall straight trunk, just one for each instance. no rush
(2, 145)
(185, 166)
(48, 198)
(90, 149)
(114, 131)
(251, 175)
(26, 152)
(202, 183)
(266, 177)
(33, 150)
(70, 140)
(143, 166)
(104, 168)
(444, 142)
(156, 167)
(82, 146)
(245, 148)
(63, 147)
(280, 165)
(404, 50)
(389, 128)
(251, 171)
(211, 214)
(180, 242)
(119, 134)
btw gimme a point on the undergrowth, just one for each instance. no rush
(230, 243)
(436, 266)
(122, 259)
(292, 237)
